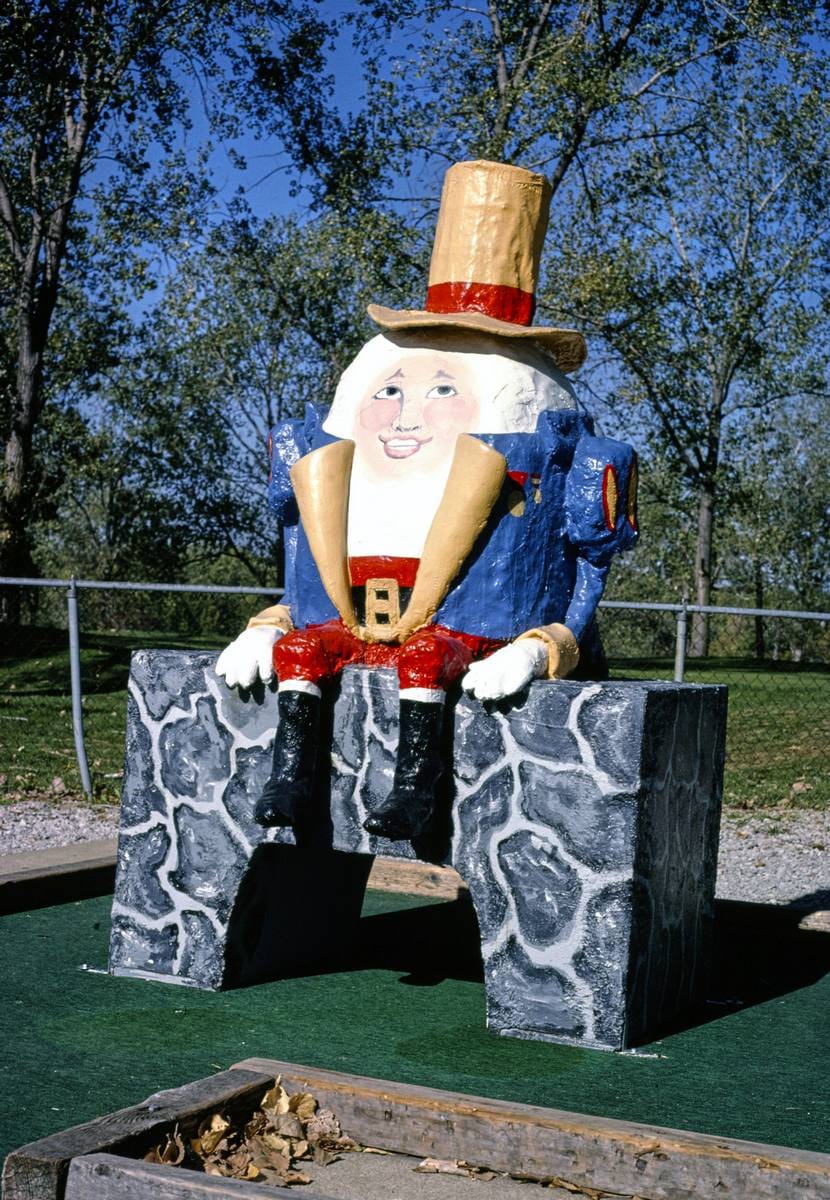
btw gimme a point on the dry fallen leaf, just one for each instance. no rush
(170, 1152)
(323, 1156)
(275, 1101)
(592, 1193)
(481, 1173)
(280, 1163)
(288, 1125)
(323, 1124)
(240, 1166)
(443, 1166)
(303, 1104)
(211, 1132)
(296, 1177)
(266, 1146)
(276, 1143)
(255, 1126)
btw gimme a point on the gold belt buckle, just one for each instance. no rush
(383, 605)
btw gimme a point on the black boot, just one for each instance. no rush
(291, 783)
(407, 811)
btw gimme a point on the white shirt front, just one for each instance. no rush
(392, 516)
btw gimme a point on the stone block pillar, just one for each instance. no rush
(584, 821)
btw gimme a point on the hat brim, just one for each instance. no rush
(567, 346)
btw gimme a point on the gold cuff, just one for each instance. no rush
(278, 616)
(563, 650)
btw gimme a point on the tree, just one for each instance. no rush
(576, 90)
(777, 554)
(93, 93)
(258, 322)
(703, 268)
(547, 86)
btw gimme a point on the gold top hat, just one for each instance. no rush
(485, 260)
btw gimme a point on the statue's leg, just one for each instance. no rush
(428, 663)
(304, 661)
(408, 809)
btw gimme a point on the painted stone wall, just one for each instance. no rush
(584, 820)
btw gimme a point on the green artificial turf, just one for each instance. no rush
(778, 740)
(79, 1044)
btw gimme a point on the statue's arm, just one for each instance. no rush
(600, 520)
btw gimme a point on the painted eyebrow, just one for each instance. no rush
(443, 375)
(398, 375)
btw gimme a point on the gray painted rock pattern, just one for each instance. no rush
(585, 819)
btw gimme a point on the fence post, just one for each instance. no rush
(680, 643)
(75, 678)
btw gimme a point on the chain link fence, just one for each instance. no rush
(64, 661)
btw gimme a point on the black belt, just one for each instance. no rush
(379, 603)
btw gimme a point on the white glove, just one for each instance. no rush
(508, 670)
(249, 655)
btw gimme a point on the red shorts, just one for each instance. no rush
(434, 657)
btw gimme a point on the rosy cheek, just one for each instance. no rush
(378, 414)
(451, 415)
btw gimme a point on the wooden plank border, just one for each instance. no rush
(620, 1157)
(37, 878)
(39, 1170)
(107, 1177)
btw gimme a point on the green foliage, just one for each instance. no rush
(701, 267)
(95, 177)
(544, 85)
(171, 478)
(687, 147)
(776, 553)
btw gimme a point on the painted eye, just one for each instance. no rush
(441, 391)
(390, 392)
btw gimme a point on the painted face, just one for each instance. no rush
(413, 414)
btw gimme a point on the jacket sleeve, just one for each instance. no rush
(600, 519)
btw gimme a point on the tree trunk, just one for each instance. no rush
(760, 640)
(699, 643)
(15, 501)
(15, 556)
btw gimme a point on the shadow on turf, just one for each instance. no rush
(760, 953)
(759, 950)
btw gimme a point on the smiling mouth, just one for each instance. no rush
(401, 447)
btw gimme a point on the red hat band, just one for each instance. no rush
(493, 299)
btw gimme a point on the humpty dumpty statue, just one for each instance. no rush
(452, 514)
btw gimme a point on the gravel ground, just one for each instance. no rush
(775, 857)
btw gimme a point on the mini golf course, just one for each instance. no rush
(753, 1063)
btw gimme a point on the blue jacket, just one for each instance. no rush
(566, 506)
